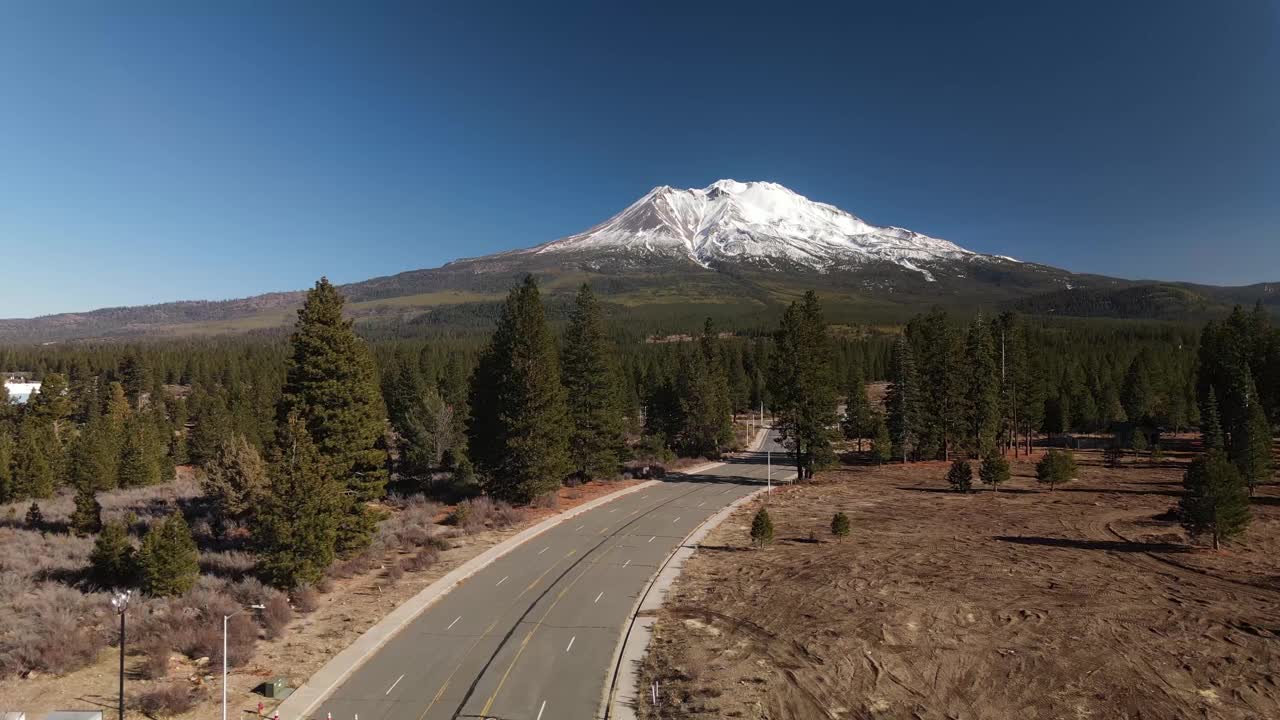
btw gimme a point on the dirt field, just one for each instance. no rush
(1081, 603)
(353, 606)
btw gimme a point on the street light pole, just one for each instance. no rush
(121, 603)
(225, 618)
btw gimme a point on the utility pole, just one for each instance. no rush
(769, 474)
(121, 603)
(225, 618)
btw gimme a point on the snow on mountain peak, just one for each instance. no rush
(754, 221)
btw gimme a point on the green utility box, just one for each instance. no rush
(276, 688)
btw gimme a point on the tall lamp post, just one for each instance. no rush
(120, 601)
(225, 618)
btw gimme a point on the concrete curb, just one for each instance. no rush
(622, 692)
(308, 697)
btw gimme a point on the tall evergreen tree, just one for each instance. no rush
(881, 443)
(1251, 448)
(296, 526)
(590, 375)
(8, 491)
(518, 433)
(902, 401)
(1216, 502)
(140, 454)
(982, 398)
(332, 385)
(94, 460)
(939, 363)
(802, 385)
(1211, 423)
(857, 420)
(169, 561)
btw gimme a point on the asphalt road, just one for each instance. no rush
(532, 636)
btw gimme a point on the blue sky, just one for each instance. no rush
(160, 152)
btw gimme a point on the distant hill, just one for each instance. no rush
(1154, 301)
(738, 252)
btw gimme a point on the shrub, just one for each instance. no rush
(960, 476)
(155, 658)
(761, 528)
(423, 559)
(276, 616)
(840, 525)
(168, 700)
(306, 599)
(1055, 468)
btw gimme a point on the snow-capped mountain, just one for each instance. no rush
(757, 222)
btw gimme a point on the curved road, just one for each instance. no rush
(532, 636)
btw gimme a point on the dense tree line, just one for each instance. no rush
(294, 440)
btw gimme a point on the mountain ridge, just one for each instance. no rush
(752, 245)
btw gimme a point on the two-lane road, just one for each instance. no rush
(532, 635)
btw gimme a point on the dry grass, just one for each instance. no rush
(1087, 601)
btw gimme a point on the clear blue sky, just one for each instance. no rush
(150, 153)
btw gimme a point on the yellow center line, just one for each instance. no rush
(559, 596)
(465, 655)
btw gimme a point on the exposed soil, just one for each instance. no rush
(344, 613)
(1085, 602)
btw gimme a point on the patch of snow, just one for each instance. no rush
(731, 220)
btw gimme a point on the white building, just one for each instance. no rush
(21, 391)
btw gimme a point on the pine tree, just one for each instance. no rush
(234, 481)
(994, 469)
(332, 384)
(518, 433)
(112, 563)
(882, 443)
(761, 528)
(7, 490)
(802, 386)
(939, 367)
(136, 379)
(139, 454)
(982, 399)
(1138, 441)
(1216, 500)
(87, 518)
(701, 422)
(35, 518)
(721, 406)
(902, 401)
(296, 526)
(1056, 468)
(1251, 448)
(52, 405)
(856, 423)
(960, 476)
(840, 526)
(590, 376)
(35, 475)
(1211, 423)
(211, 424)
(168, 561)
(1136, 395)
(94, 459)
